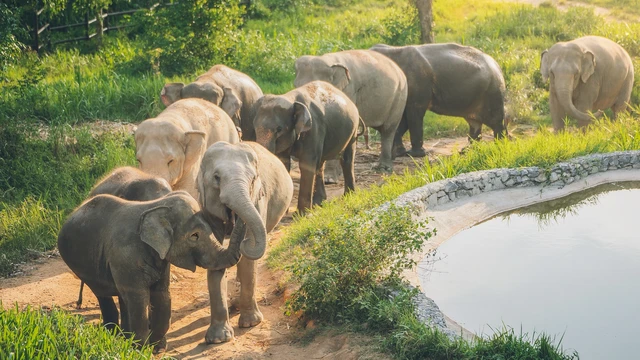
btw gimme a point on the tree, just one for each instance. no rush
(425, 14)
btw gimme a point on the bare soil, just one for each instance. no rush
(47, 282)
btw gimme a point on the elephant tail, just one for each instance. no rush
(361, 127)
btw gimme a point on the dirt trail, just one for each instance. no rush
(48, 282)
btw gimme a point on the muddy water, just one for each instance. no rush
(568, 267)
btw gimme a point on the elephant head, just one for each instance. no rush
(175, 228)
(566, 65)
(166, 151)
(310, 68)
(279, 122)
(224, 97)
(229, 183)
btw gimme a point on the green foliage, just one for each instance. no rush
(344, 262)
(44, 175)
(192, 34)
(38, 334)
(9, 45)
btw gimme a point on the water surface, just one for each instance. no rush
(569, 267)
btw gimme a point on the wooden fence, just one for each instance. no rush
(107, 25)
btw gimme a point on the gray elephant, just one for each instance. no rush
(590, 73)
(233, 91)
(448, 79)
(372, 81)
(130, 184)
(245, 179)
(124, 248)
(315, 123)
(171, 145)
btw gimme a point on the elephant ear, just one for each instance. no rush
(301, 118)
(171, 93)
(203, 90)
(588, 66)
(155, 229)
(195, 144)
(231, 104)
(341, 76)
(544, 65)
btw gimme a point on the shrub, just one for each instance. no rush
(192, 34)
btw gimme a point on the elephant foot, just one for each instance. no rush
(419, 152)
(219, 333)
(330, 180)
(386, 169)
(250, 318)
(160, 346)
(399, 151)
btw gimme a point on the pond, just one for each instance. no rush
(569, 268)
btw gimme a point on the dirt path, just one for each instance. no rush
(564, 5)
(48, 282)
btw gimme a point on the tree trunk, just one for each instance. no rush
(425, 13)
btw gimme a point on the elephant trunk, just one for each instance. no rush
(236, 197)
(564, 95)
(231, 255)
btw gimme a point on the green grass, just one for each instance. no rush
(40, 334)
(44, 179)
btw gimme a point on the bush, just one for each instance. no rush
(38, 334)
(345, 263)
(192, 34)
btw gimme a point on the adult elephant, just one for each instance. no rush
(172, 144)
(124, 248)
(128, 183)
(245, 179)
(590, 73)
(448, 79)
(315, 123)
(372, 81)
(232, 90)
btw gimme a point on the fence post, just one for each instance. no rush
(86, 25)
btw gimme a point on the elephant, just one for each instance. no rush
(128, 183)
(171, 145)
(125, 248)
(315, 123)
(244, 179)
(372, 81)
(235, 92)
(590, 73)
(448, 79)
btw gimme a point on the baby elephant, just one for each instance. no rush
(124, 248)
(130, 184)
(247, 180)
(315, 123)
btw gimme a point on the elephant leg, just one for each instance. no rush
(319, 193)
(137, 312)
(475, 129)
(109, 312)
(307, 179)
(160, 311)
(250, 314)
(585, 103)
(386, 154)
(124, 318)
(219, 330)
(622, 101)
(415, 121)
(366, 137)
(348, 162)
(79, 301)
(398, 146)
(332, 172)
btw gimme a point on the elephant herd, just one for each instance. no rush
(216, 162)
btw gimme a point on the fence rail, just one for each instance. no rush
(38, 44)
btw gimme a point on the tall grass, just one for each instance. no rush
(39, 334)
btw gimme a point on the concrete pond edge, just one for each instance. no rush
(452, 205)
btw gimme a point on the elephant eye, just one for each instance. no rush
(278, 129)
(194, 237)
(216, 177)
(170, 161)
